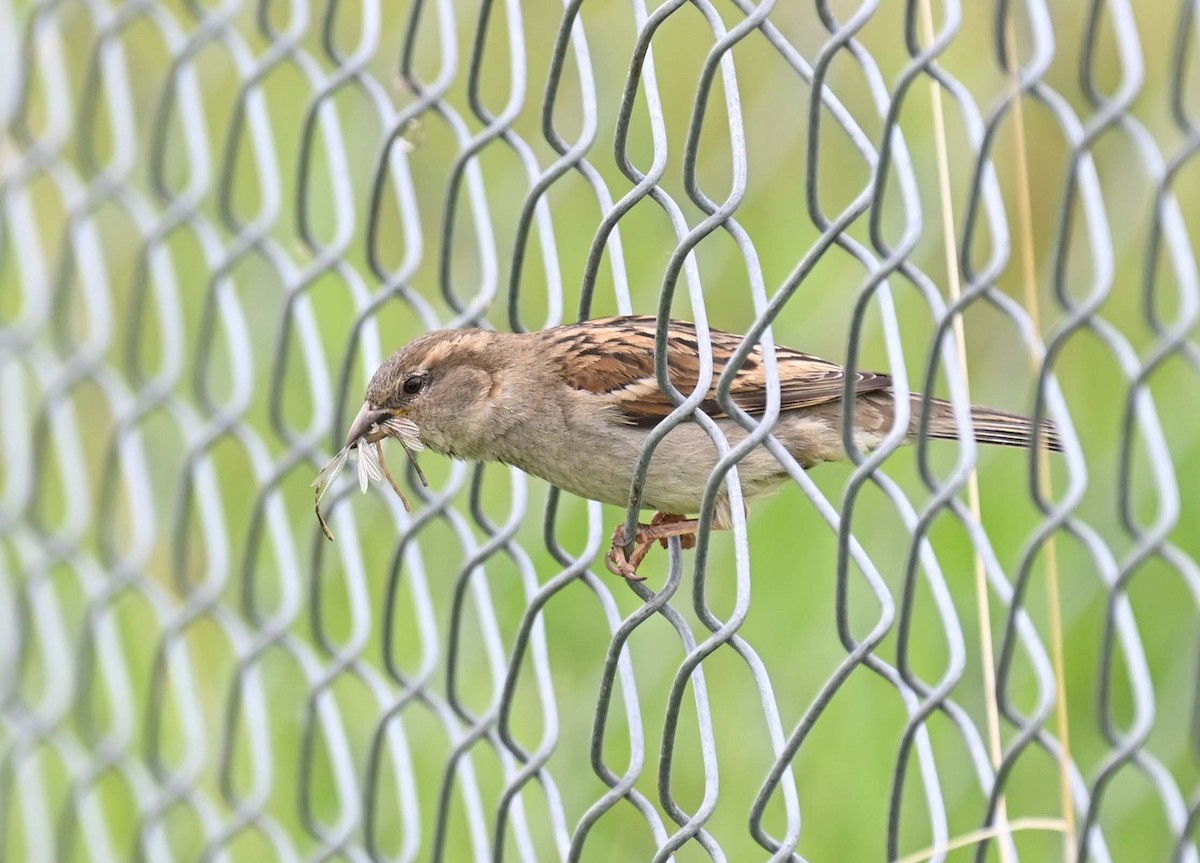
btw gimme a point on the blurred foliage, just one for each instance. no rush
(238, 275)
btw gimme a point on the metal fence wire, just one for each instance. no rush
(217, 219)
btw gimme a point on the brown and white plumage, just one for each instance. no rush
(574, 405)
(616, 356)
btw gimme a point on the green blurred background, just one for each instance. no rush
(253, 247)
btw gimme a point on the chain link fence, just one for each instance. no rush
(216, 219)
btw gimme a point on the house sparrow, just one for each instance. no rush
(574, 404)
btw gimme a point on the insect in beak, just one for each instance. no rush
(367, 432)
(368, 417)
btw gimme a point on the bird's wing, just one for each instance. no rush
(615, 357)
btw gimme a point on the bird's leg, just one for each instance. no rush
(683, 527)
(618, 561)
(662, 527)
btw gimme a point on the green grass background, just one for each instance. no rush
(844, 771)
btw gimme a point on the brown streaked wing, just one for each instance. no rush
(616, 355)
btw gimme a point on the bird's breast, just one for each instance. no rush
(597, 460)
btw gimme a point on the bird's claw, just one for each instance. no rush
(661, 528)
(619, 562)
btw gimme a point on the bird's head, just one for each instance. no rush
(449, 383)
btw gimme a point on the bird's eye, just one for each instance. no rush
(413, 385)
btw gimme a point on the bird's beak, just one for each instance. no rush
(368, 417)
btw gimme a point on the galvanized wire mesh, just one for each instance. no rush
(216, 220)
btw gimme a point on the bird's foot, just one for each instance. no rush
(665, 525)
(620, 561)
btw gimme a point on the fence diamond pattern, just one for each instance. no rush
(217, 219)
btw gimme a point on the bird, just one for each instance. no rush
(574, 404)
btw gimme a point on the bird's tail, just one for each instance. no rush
(992, 426)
